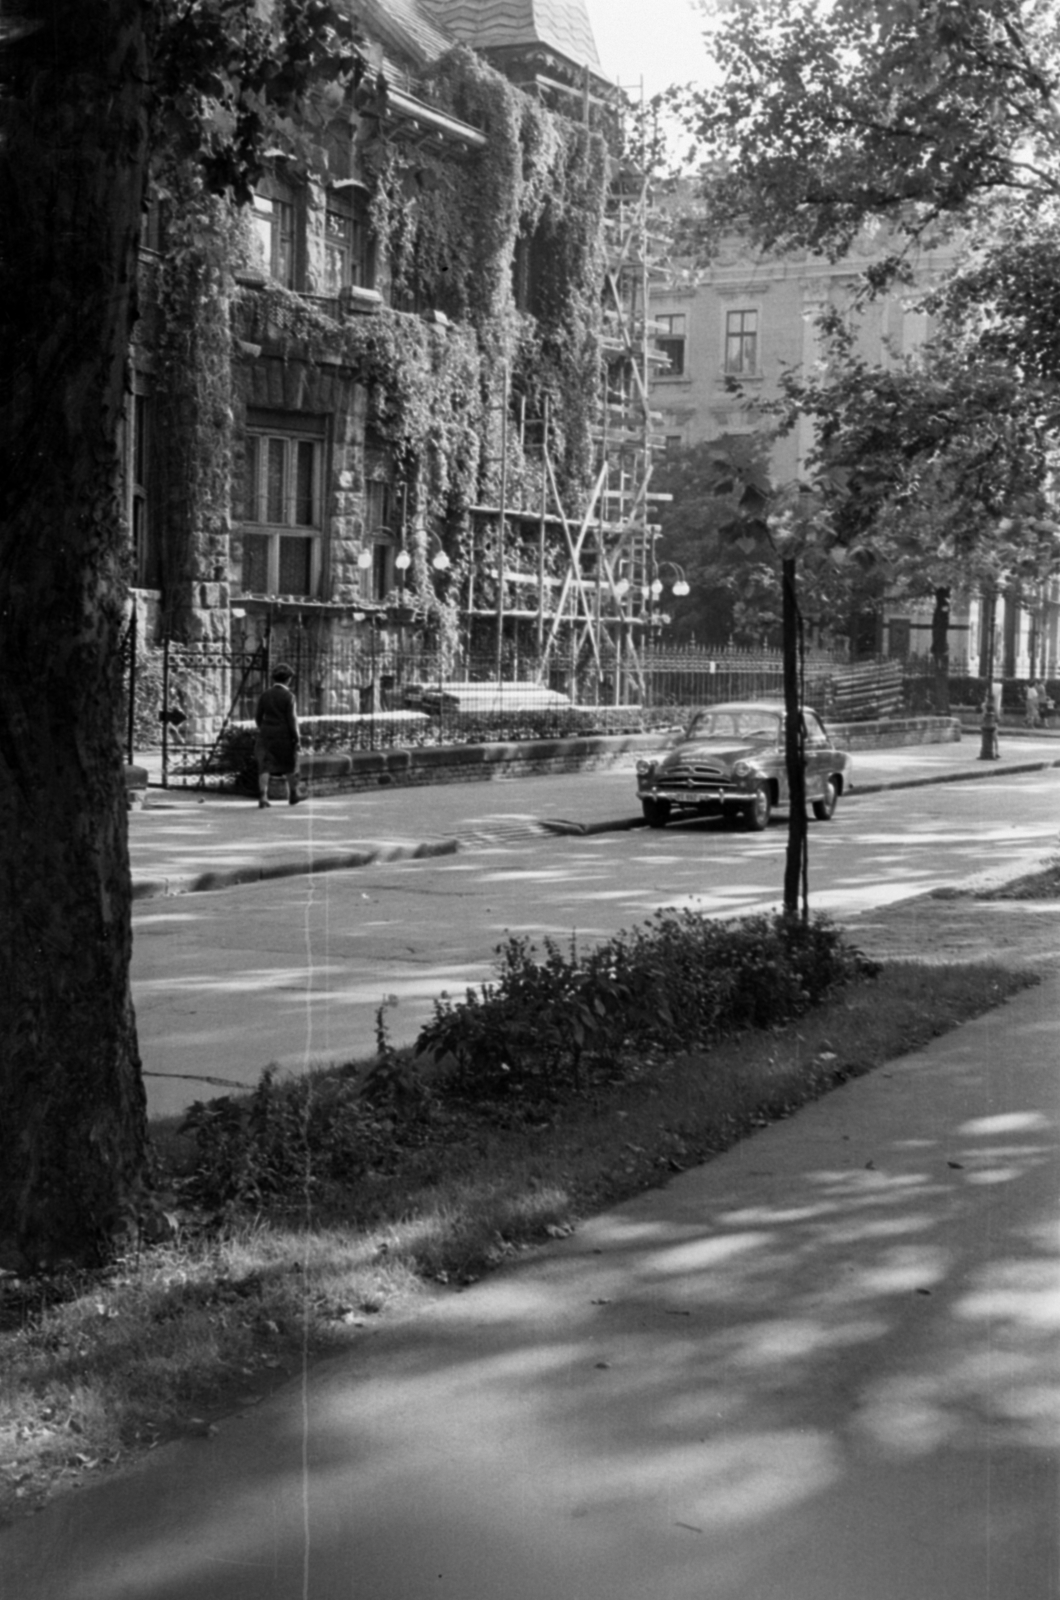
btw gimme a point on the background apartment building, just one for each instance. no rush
(751, 317)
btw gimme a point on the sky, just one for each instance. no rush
(657, 40)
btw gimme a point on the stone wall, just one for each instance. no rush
(471, 763)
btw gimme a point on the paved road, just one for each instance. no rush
(293, 970)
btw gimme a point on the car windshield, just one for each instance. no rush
(757, 727)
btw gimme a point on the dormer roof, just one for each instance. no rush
(561, 26)
(407, 29)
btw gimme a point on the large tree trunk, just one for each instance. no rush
(73, 106)
(795, 863)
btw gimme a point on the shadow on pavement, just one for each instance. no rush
(822, 1366)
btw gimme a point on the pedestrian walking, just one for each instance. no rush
(1032, 695)
(278, 740)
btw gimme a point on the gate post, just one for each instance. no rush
(165, 712)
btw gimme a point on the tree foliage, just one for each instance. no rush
(938, 471)
(828, 112)
(894, 120)
(232, 79)
(717, 529)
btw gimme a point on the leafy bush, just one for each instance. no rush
(513, 726)
(543, 1030)
(294, 1139)
(234, 755)
(681, 980)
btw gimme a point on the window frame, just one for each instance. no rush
(272, 193)
(358, 272)
(740, 336)
(259, 520)
(378, 580)
(673, 342)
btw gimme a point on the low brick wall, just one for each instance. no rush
(892, 732)
(470, 763)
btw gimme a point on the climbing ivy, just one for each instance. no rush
(451, 230)
(188, 327)
(448, 228)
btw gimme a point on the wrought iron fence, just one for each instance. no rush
(364, 693)
(690, 676)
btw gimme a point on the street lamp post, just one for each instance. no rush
(680, 585)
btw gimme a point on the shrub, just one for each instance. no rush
(681, 980)
(545, 1028)
(293, 1140)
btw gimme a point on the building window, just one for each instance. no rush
(282, 513)
(741, 343)
(382, 569)
(347, 243)
(378, 580)
(274, 228)
(670, 339)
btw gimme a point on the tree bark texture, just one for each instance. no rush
(74, 119)
(940, 651)
(795, 862)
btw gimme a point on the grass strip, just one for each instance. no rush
(98, 1369)
(1041, 885)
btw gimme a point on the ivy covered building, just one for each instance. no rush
(375, 400)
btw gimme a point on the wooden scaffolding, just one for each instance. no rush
(591, 612)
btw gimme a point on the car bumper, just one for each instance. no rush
(698, 797)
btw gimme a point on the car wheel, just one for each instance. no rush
(656, 812)
(758, 813)
(824, 809)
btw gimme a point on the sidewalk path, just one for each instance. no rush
(821, 1367)
(183, 841)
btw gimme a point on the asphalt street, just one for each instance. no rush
(292, 970)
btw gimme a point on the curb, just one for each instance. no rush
(966, 775)
(557, 825)
(205, 882)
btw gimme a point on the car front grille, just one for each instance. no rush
(695, 772)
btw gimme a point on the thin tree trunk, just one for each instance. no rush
(73, 106)
(940, 651)
(795, 862)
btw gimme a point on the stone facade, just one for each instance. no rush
(261, 502)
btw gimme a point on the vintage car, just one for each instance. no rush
(730, 759)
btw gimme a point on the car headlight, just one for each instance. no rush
(644, 767)
(742, 769)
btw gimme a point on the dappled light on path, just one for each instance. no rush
(823, 1365)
